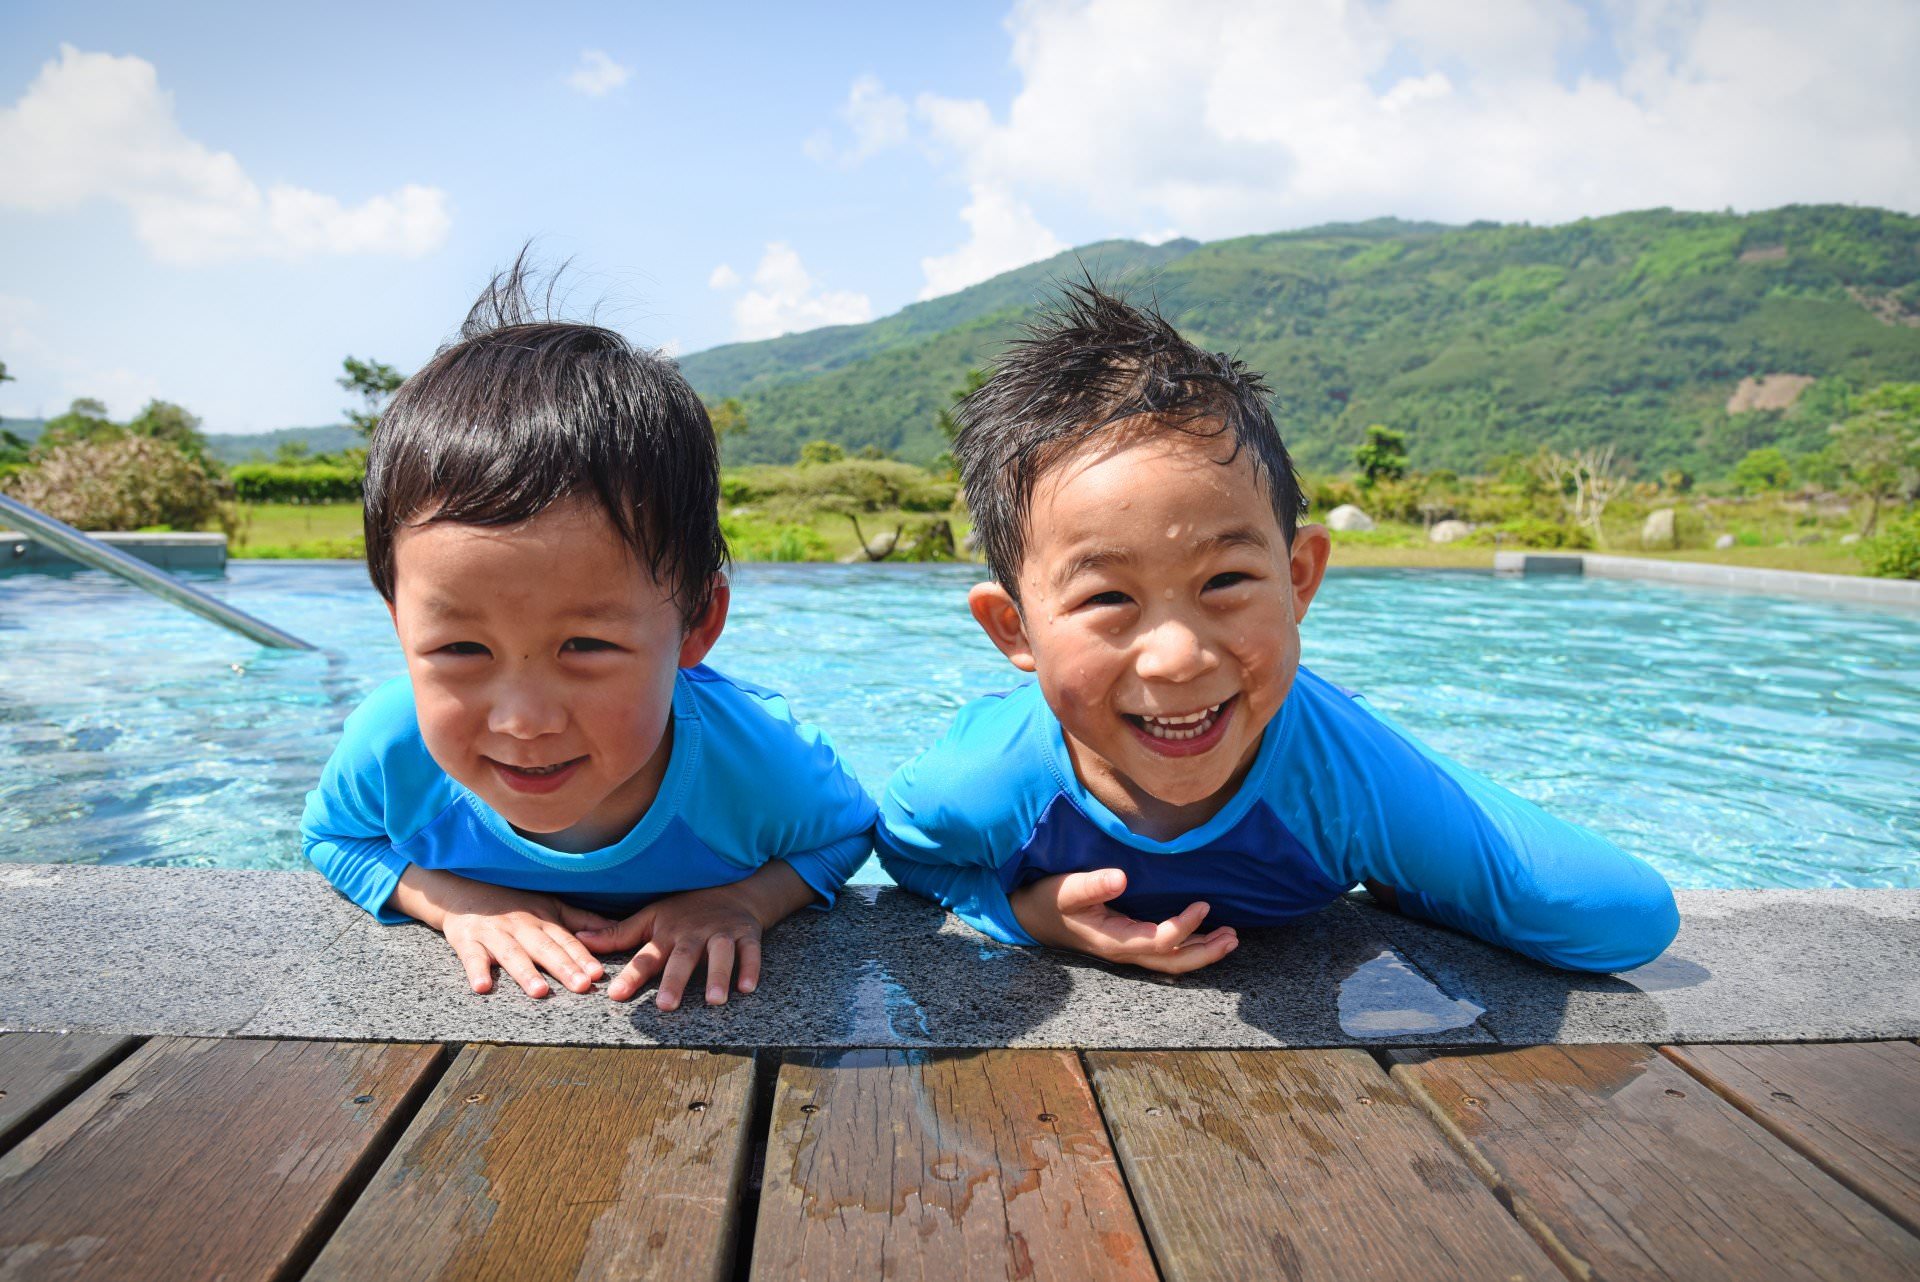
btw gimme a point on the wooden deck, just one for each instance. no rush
(188, 1158)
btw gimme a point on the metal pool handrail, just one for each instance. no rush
(90, 551)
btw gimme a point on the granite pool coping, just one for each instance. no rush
(1858, 589)
(278, 954)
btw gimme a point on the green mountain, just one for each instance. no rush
(1634, 330)
(235, 447)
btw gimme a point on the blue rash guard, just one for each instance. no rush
(1337, 795)
(745, 783)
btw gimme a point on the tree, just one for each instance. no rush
(945, 420)
(1382, 456)
(1879, 446)
(729, 418)
(821, 452)
(165, 421)
(1762, 470)
(122, 482)
(374, 383)
(1586, 480)
(85, 420)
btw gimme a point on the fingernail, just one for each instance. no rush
(747, 985)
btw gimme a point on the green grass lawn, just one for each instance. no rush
(282, 530)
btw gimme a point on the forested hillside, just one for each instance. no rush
(1633, 330)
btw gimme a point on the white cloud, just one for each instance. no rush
(785, 298)
(598, 75)
(1224, 117)
(93, 126)
(1005, 235)
(877, 119)
(724, 277)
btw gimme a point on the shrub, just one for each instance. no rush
(296, 482)
(1532, 532)
(814, 453)
(1894, 553)
(120, 483)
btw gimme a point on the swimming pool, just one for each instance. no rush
(1732, 740)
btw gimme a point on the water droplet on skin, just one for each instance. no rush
(1173, 531)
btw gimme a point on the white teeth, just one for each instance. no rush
(1191, 726)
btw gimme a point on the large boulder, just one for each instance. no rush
(1658, 531)
(1449, 531)
(1347, 517)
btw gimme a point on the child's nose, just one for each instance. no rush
(525, 714)
(1174, 651)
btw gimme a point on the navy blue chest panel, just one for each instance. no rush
(1255, 874)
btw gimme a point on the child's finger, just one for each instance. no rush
(1173, 932)
(1191, 958)
(749, 965)
(515, 961)
(673, 980)
(478, 964)
(719, 969)
(1079, 891)
(616, 937)
(583, 961)
(579, 919)
(634, 975)
(550, 955)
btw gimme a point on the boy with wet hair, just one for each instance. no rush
(559, 775)
(1174, 773)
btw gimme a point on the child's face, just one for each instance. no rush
(1160, 607)
(542, 658)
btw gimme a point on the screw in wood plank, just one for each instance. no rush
(1782, 1096)
(476, 1098)
(1471, 1101)
(1046, 1117)
(1676, 1094)
(698, 1106)
(1363, 1099)
(1153, 1112)
(809, 1108)
(3, 1094)
(363, 1099)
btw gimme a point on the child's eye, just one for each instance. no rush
(466, 648)
(1108, 598)
(1230, 579)
(587, 645)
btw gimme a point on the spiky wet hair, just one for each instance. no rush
(1088, 362)
(523, 411)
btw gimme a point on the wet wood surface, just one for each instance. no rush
(1298, 1165)
(560, 1162)
(1853, 1107)
(39, 1072)
(1627, 1167)
(204, 1158)
(984, 1164)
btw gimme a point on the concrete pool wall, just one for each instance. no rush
(1855, 588)
(279, 954)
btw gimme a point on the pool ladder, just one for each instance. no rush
(90, 551)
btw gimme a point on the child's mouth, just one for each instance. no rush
(535, 778)
(1186, 735)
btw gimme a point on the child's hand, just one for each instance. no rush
(520, 931)
(720, 926)
(1070, 910)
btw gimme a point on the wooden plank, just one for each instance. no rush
(1298, 1165)
(560, 1162)
(204, 1158)
(1626, 1167)
(1852, 1107)
(41, 1071)
(984, 1164)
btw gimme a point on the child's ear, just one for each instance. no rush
(707, 625)
(998, 615)
(1312, 545)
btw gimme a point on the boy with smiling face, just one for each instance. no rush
(1174, 772)
(558, 775)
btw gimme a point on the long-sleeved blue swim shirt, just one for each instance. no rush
(745, 783)
(1337, 795)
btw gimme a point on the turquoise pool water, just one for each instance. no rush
(1733, 740)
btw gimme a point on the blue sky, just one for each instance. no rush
(213, 203)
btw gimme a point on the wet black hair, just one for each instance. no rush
(522, 411)
(1088, 362)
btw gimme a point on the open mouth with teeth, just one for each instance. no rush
(1185, 734)
(536, 778)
